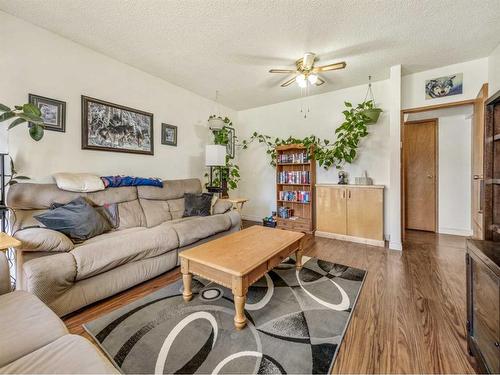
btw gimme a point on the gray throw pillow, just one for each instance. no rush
(197, 204)
(77, 219)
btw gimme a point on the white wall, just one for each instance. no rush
(494, 71)
(284, 120)
(475, 74)
(454, 168)
(40, 62)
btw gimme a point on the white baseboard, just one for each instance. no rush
(455, 232)
(344, 237)
(395, 246)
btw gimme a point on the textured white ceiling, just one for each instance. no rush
(229, 45)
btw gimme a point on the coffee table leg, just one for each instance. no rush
(187, 294)
(298, 256)
(240, 320)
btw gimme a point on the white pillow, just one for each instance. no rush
(78, 182)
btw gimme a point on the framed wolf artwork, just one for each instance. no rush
(112, 127)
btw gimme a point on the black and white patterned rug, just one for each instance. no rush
(296, 321)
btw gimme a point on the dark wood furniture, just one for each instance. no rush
(483, 303)
(491, 199)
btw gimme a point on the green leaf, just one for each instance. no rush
(36, 132)
(6, 116)
(16, 122)
(347, 104)
(31, 109)
(22, 178)
(31, 118)
(4, 108)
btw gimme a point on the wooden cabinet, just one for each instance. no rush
(483, 303)
(332, 201)
(351, 212)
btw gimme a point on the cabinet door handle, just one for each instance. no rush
(349, 194)
(343, 194)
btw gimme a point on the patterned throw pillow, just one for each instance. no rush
(197, 204)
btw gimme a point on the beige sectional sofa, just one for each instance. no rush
(150, 235)
(34, 340)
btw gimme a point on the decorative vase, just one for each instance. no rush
(372, 114)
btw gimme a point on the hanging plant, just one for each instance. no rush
(231, 172)
(371, 112)
(327, 154)
(24, 113)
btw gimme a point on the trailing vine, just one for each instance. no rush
(326, 153)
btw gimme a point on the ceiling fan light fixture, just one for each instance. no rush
(301, 80)
(312, 78)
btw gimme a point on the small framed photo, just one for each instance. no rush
(168, 135)
(53, 112)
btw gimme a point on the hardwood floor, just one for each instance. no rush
(410, 315)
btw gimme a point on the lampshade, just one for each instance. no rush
(215, 155)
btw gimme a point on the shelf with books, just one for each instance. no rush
(295, 179)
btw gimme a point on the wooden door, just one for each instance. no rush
(365, 218)
(477, 172)
(420, 174)
(331, 215)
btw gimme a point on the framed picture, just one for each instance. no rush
(168, 135)
(230, 144)
(53, 112)
(112, 127)
(444, 86)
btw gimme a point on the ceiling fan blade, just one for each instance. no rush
(288, 83)
(326, 68)
(320, 81)
(288, 71)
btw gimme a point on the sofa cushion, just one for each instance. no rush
(77, 219)
(26, 324)
(70, 354)
(172, 189)
(197, 204)
(176, 207)
(221, 206)
(43, 239)
(131, 215)
(155, 211)
(200, 227)
(101, 256)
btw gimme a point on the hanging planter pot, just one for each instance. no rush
(216, 123)
(372, 113)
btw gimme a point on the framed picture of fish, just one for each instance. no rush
(112, 127)
(444, 86)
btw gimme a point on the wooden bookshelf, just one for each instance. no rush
(303, 219)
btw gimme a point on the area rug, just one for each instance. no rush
(296, 321)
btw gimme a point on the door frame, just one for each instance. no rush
(401, 161)
(436, 171)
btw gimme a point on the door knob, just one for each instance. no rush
(476, 177)
(429, 176)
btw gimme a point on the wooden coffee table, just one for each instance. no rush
(238, 260)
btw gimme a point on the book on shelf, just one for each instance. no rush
(293, 158)
(294, 177)
(299, 196)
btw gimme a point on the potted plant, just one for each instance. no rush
(371, 112)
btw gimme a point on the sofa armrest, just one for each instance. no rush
(221, 207)
(43, 239)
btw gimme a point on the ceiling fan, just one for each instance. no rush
(306, 72)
